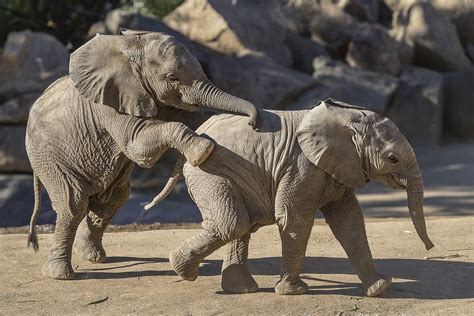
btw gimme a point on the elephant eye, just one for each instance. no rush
(172, 77)
(392, 158)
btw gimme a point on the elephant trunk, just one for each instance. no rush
(415, 206)
(207, 94)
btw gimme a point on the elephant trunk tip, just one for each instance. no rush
(428, 244)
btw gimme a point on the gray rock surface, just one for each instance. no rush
(459, 100)
(372, 48)
(258, 80)
(461, 12)
(30, 62)
(303, 51)
(370, 89)
(13, 156)
(417, 106)
(234, 28)
(15, 111)
(433, 36)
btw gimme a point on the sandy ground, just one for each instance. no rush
(138, 278)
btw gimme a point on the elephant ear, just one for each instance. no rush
(104, 71)
(327, 140)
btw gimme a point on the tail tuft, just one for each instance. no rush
(33, 241)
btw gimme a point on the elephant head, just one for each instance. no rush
(355, 145)
(136, 72)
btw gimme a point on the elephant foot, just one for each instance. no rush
(90, 251)
(291, 287)
(236, 278)
(184, 265)
(199, 151)
(59, 269)
(378, 286)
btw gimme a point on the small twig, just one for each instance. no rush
(97, 302)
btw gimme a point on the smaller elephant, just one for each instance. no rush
(124, 101)
(298, 162)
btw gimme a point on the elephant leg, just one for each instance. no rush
(347, 224)
(225, 218)
(58, 265)
(236, 277)
(294, 237)
(88, 243)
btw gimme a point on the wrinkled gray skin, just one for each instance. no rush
(297, 162)
(81, 139)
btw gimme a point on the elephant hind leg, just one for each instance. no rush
(236, 277)
(88, 243)
(225, 218)
(70, 204)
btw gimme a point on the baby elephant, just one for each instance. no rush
(297, 162)
(124, 101)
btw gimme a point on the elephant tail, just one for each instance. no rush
(32, 237)
(175, 176)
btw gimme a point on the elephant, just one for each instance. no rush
(297, 162)
(122, 103)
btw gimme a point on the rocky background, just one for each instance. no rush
(410, 60)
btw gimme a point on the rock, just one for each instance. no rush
(98, 27)
(234, 27)
(30, 62)
(13, 156)
(329, 22)
(17, 200)
(255, 79)
(372, 48)
(303, 51)
(461, 12)
(459, 103)
(15, 111)
(355, 86)
(417, 106)
(434, 38)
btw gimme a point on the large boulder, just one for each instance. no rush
(459, 104)
(30, 62)
(16, 110)
(372, 48)
(256, 79)
(234, 27)
(329, 22)
(13, 156)
(461, 12)
(303, 51)
(367, 88)
(431, 33)
(417, 106)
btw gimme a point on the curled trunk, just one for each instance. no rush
(207, 94)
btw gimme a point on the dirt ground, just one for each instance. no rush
(138, 279)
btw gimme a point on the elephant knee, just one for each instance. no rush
(228, 230)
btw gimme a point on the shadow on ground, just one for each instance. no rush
(422, 279)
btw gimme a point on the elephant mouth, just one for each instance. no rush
(397, 182)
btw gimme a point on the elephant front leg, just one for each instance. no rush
(347, 224)
(236, 277)
(195, 148)
(58, 265)
(294, 237)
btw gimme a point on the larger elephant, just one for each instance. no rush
(121, 103)
(298, 162)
